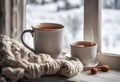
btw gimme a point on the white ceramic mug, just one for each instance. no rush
(85, 51)
(48, 38)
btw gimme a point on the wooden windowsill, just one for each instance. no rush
(85, 76)
(113, 60)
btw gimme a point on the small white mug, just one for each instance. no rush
(85, 51)
(48, 38)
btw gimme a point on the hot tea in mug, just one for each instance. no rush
(85, 51)
(48, 38)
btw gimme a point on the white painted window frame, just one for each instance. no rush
(92, 21)
(92, 32)
(15, 18)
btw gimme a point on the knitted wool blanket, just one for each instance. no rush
(16, 62)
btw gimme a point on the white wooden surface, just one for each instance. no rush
(92, 21)
(113, 75)
(113, 60)
(85, 76)
(15, 18)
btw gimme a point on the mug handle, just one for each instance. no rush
(25, 31)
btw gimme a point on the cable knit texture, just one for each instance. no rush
(16, 62)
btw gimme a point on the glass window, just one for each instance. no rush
(66, 12)
(111, 26)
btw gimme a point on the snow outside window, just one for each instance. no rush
(111, 26)
(70, 14)
(66, 12)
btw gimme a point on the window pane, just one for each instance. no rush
(111, 26)
(66, 12)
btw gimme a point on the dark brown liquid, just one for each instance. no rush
(47, 27)
(84, 44)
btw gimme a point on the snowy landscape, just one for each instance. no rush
(71, 16)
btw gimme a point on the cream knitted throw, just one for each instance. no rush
(17, 62)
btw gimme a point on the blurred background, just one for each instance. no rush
(70, 13)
